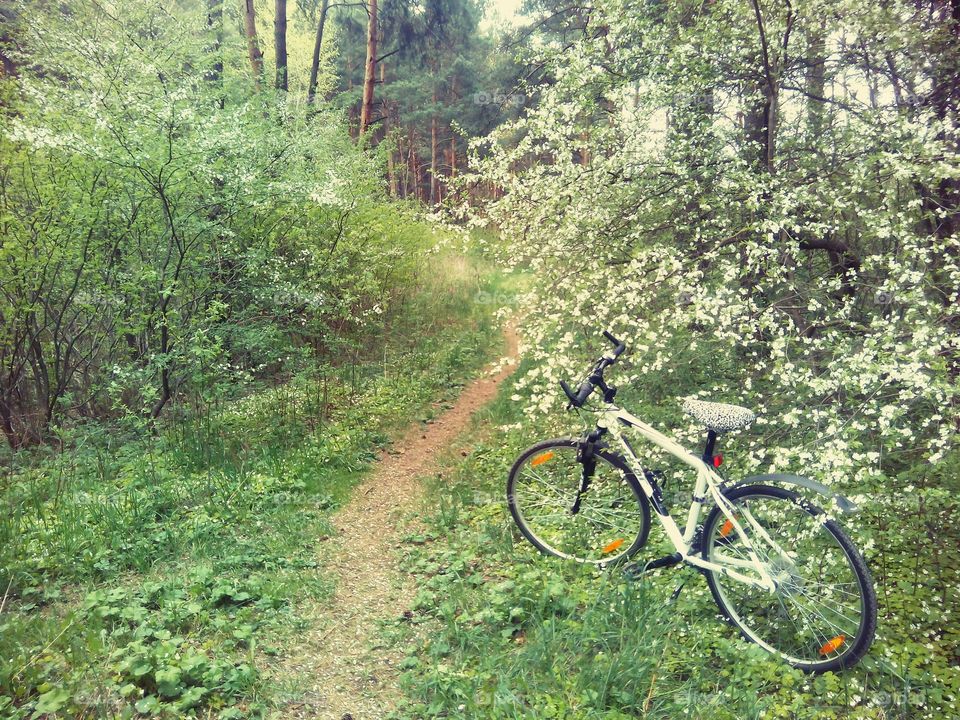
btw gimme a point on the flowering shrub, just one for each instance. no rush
(819, 286)
(761, 200)
(168, 229)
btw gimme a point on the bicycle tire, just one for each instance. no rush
(616, 462)
(866, 628)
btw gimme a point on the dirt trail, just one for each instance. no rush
(349, 676)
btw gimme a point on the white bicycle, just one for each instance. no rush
(779, 567)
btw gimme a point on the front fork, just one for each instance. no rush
(585, 456)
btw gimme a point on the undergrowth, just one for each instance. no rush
(503, 632)
(157, 574)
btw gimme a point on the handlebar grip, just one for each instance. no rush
(569, 392)
(620, 346)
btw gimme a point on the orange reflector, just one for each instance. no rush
(832, 644)
(610, 547)
(727, 527)
(542, 458)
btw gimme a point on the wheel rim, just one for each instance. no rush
(608, 522)
(818, 611)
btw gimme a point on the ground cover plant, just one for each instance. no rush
(502, 631)
(160, 574)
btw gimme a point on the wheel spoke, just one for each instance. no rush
(813, 603)
(609, 510)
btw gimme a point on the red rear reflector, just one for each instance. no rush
(610, 547)
(832, 644)
(717, 460)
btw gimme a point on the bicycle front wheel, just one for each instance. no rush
(604, 523)
(823, 614)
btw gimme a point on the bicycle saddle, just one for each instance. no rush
(718, 417)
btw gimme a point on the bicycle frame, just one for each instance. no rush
(613, 419)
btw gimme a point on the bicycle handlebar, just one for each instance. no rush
(619, 346)
(578, 398)
(583, 392)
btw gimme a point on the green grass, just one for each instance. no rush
(156, 575)
(503, 632)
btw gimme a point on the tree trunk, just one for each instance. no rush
(434, 184)
(166, 392)
(384, 105)
(760, 126)
(391, 168)
(6, 423)
(761, 122)
(391, 174)
(453, 135)
(215, 25)
(253, 47)
(816, 82)
(317, 45)
(415, 168)
(280, 43)
(366, 108)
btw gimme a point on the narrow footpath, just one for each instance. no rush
(350, 675)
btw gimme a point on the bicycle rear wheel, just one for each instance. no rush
(605, 524)
(823, 614)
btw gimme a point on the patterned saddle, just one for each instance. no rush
(718, 417)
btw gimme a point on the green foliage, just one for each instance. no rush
(157, 573)
(503, 632)
(175, 233)
(815, 283)
(766, 218)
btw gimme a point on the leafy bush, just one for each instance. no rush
(175, 232)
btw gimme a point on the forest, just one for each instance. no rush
(286, 287)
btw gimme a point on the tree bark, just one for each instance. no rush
(762, 119)
(317, 45)
(415, 168)
(759, 128)
(453, 135)
(434, 184)
(6, 423)
(366, 108)
(816, 81)
(280, 43)
(253, 47)
(391, 168)
(215, 25)
(391, 174)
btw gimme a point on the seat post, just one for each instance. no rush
(708, 450)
